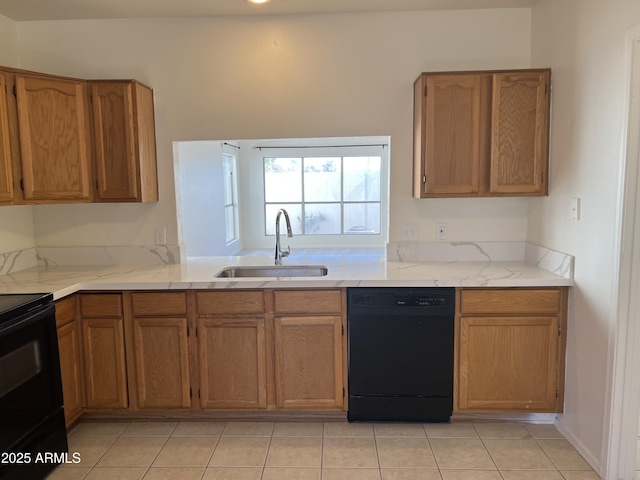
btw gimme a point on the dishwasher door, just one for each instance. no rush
(401, 353)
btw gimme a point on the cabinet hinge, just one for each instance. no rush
(424, 179)
(546, 88)
(343, 393)
(342, 326)
(15, 91)
(557, 394)
(196, 331)
(559, 330)
(22, 184)
(425, 91)
(190, 392)
(187, 330)
(198, 393)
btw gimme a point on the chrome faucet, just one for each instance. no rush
(279, 253)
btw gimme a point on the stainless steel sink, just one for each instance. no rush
(273, 271)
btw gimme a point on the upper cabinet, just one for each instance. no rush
(6, 176)
(125, 141)
(53, 125)
(64, 140)
(481, 133)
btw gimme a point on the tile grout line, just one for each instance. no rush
(375, 444)
(322, 452)
(266, 455)
(426, 434)
(488, 452)
(212, 452)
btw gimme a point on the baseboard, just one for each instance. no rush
(217, 416)
(580, 448)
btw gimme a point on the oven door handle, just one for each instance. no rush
(26, 320)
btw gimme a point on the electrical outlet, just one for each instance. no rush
(575, 208)
(409, 233)
(441, 231)
(161, 236)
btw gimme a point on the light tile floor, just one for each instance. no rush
(321, 451)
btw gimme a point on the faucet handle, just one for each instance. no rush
(286, 254)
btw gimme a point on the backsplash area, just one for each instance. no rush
(557, 262)
(411, 252)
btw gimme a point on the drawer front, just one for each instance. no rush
(65, 311)
(159, 303)
(307, 301)
(100, 305)
(510, 301)
(230, 303)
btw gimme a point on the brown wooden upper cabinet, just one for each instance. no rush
(53, 125)
(125, 141)
(67, 140)
(479, 134)
(6, 176)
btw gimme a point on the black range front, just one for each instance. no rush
(33, 438)
(400, 354)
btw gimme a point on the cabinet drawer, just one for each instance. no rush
(307, 301)
(65, 311)
(510, 301)
(236, 302)
(164, 303)
(101, 305)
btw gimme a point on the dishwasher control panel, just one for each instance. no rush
(401, 297)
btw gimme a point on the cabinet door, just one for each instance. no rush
(125, 142)
(509, 364)
(520, 132)
(6, 176)
(104, 360)
(308, 353)
(232, 354)
(116, 166)
(452, 146)
(54, 138)
(70, 371)
(161, 353)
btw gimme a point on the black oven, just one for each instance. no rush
(33, 438)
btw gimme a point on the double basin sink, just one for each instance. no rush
(248, 271)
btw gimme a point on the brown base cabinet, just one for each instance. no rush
(70, 364)
(157, 337)
(271, 349)
(232, 362)
(510, 349)
(104, 354)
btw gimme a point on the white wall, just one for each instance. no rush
(16, 223)
(584, 42)
(200, 181)
(280, 77)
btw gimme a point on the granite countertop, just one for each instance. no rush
(363, 270)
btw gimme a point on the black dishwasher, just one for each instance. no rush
(400, 354)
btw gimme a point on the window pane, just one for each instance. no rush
(362, 179)
(295, 216)
(322, 219)
(230, 222)
(322, 179)
(228, 167)
(361, 218)
(283, 179)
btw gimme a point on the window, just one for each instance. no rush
(335, 195)
(230, 197)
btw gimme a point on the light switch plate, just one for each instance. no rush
(575, 208)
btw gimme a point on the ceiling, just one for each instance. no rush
(26, 10)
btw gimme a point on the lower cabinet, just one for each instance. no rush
(232, 359)
(70, 364)
(158, 353)
(511, 349)
(271, 349)
(309, 347)
(104, 353)
(308, 367)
